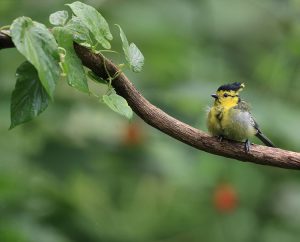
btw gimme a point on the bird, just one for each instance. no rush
(230, 117)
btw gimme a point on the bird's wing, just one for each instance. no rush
(242, 105)
(255, 125)
(245, 107)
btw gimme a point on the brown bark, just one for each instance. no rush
(183, 132)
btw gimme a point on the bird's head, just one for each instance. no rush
(228, 94)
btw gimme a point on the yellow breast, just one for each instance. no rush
(214, 118)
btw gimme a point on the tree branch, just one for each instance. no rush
(160, 120)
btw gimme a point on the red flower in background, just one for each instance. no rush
(133, 134)
(225, 198)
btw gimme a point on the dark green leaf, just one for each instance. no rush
(118, 104)
(58, 18)
(72, 64)
(39, 47)
(93, 21)
(133, 55)
(29, 97)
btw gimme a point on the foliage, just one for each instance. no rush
(118, 104)
(71, 64)
(39, 47)
(42, 49)
(29, 98)
(94, 22)
(133, 55)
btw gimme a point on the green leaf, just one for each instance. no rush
(59, 18)
(136, 58)
(39, 47)
(93, 21)
(79, 31)
(133, 55)
(29, 97)
(118, 104)
(125, 44)
(72, 65)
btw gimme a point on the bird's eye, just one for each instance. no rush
(225, 95)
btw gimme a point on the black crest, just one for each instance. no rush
(231, 87)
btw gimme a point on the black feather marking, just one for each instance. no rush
(219, 116)
(231, 87)
(261, 136)
(264, 139)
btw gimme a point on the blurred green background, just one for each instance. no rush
(80, 172)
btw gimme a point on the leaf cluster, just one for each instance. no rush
(50, 57)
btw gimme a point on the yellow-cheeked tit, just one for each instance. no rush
(230, 117)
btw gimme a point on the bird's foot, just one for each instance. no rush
(247, 146)
(220, 138)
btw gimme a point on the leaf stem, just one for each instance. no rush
(107, 72)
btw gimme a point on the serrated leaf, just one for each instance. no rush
(133, 55)
(29, 97)
(73, 68)
(136, 58)
(93, 21)
(118, 104)
(38, 45)
(59, 18)
(80, 33)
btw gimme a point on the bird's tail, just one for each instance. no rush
(264, 139)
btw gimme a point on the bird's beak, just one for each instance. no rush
(214, 96)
